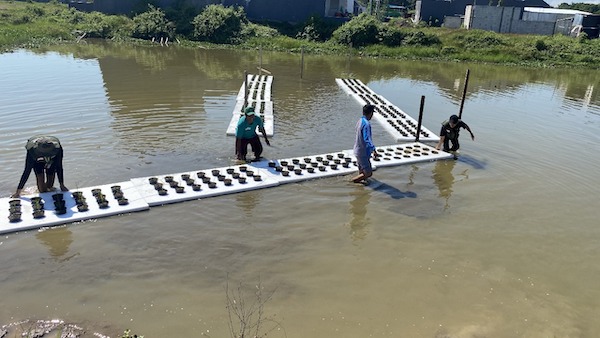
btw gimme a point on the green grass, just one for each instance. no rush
(28, 25)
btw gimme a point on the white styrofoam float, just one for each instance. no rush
(143, 192)
(72, 211)
(399, 154)
(259, 88)
(264, 109)
(296, 169)
(395, 121)
(201, 184)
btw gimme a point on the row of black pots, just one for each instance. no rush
(37, 203)
(100, 198)
(15, 211)
(118, 194)
(59, 204)
(80, 200)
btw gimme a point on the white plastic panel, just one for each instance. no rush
(263, 109)
(135, 202)
(259, 88)
(399, 154)
(395, 121)
(220, 181)
(304, 168)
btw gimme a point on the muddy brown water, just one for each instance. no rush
(502, 242)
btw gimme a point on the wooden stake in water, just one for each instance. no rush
(462, 101)
(348, 60)
(302, 64)
(420, 118)
(245, 90)
(260, 60)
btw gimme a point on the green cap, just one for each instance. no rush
(249, 111)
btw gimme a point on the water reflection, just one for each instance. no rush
(225, 65)
(358, 209)
(247, 202)
(58, 241)
(443, 179)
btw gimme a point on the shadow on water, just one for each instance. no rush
(473, 162)
(359, 223)
(392, 191)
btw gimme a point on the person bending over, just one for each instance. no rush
(450, 132)
(246, 134)
(44, 156)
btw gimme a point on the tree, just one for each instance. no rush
(219, 24)
(152, 24)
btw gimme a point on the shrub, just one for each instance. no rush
(362, 30)
(316, 29)
(480, 39)
(152, 24)
(540, 45)
(391, 35)
(419, 38)
(252, 30)
(219, 24)
(182, 15)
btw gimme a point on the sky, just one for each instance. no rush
(555, 3)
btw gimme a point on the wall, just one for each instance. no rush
(284, 10)
(505, 20)
(453, 22)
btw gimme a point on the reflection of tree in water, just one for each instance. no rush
(449, 76)
(154, 58)
(57, 240)
(220, 66)
(443, 179)
(358, 208)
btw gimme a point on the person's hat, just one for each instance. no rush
(249, 111)
(45, 146)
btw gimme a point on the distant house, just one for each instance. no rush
(532, 20)
(267, 10)
(297, 10)
(433, 12)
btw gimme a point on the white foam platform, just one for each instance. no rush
(400, 154)
(135, 203)
(263, 109)
(152, 197)
(259, 88)
(141, 194)
(395, 121)
(296, 169)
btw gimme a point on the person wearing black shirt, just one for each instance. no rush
(44, 156)
(450, 132)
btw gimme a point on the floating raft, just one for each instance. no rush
(259, 97)
(141, 193)
(395, 121)
(68, 207)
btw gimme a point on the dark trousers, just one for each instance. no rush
(254, 143)
(455, 144)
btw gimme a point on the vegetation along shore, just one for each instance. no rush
(31, 24)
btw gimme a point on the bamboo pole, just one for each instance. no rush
(260, 67)
(245, 90)
(302, 64)
(462, 101)
(420, 118)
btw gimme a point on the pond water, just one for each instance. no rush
(502, 242)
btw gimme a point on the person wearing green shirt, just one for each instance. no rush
(246, 134)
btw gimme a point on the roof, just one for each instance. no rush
(554, 11)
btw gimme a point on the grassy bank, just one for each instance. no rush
(28, 25)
